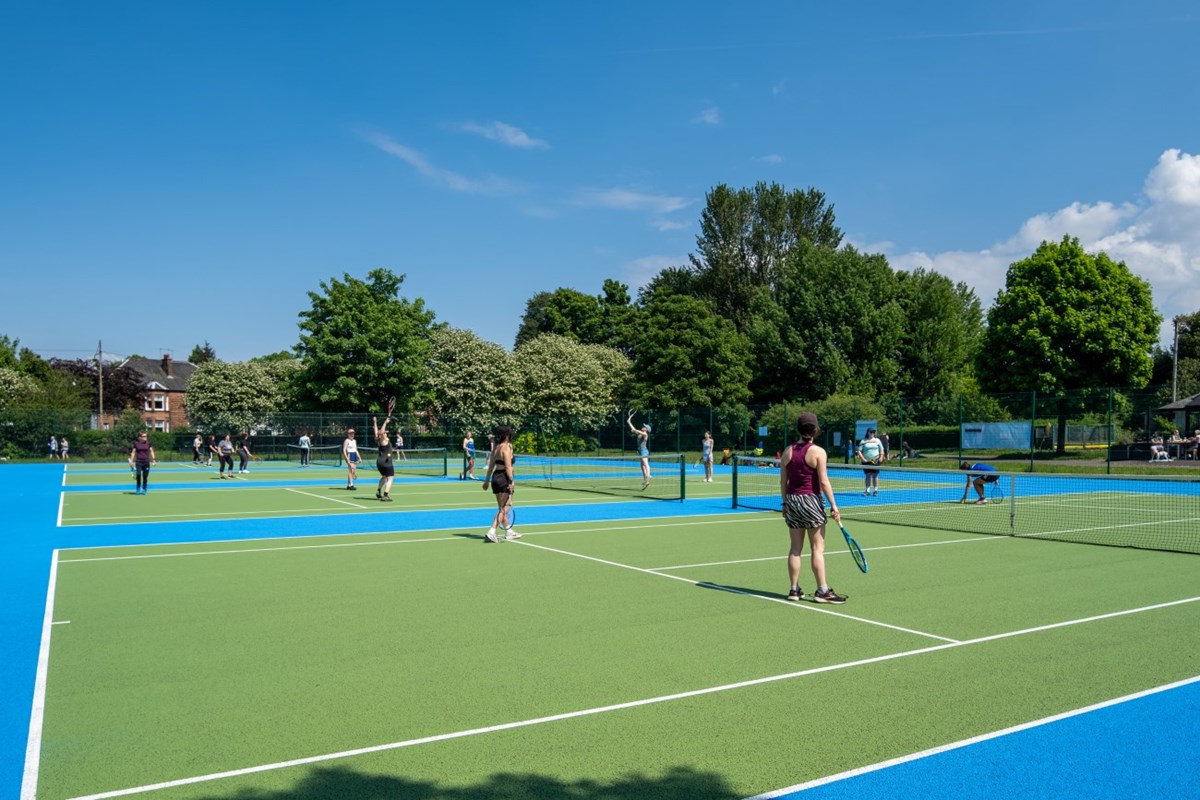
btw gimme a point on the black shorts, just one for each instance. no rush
(386, 469)
(990, 477)
(500, 483)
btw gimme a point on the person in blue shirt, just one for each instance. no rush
(978, 476)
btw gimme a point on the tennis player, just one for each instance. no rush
(706, 455)
(140, 458)
(305, 448)
(351, 457)
(643, 447)
(225, 454)
(870, 451)
(981, 474)
(802, 481)
(502, 481)
(383, 461)
(468, 448)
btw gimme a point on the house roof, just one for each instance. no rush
(154, 372)
(1182, 404)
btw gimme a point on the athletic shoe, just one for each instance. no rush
(645, 484)
(386, 499)
(981, 502)
(512, 535)
(875, 494)
(828, 596)
(378, 495)
(491, 536)
(795, 594)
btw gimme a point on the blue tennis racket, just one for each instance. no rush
(855, 550)
(510, 519)
(997, 492)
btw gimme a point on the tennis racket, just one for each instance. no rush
(391, 405)
(510, 519)
(997, 492)
(855, 550)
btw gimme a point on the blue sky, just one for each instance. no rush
(172, 172)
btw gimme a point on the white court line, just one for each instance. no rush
(62, 497)
(614, 707)
(333, 499)
(62, 622)
(980, 538)
(744, 593)
(33, 746)
(933, 751)
(263, 549)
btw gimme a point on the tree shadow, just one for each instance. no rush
(343, 783)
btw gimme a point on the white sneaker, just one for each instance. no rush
(491, 535)
(512, 535)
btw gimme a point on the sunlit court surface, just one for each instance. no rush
(275, 635)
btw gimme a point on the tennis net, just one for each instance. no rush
(612, 475)
(425, 461)
(1152, 512)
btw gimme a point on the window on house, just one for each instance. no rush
(156, 402)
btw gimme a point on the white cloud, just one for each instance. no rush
(442, 177)
(628, 200)
(1158, 239)
(709, 116)
(506, 134)
(665, 225)
(641, 271)
(771, 158)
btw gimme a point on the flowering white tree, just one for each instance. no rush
(229, 398)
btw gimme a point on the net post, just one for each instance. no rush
(682, 477)
(735, 479)
(1012, 505)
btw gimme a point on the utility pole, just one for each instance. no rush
(100, 372)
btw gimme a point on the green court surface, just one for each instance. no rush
(617, 658)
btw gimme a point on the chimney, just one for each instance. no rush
(166, 364)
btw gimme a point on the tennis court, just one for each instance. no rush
(261, 638)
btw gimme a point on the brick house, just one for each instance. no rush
(166, 382)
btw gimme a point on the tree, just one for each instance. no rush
(124, 387)
(1068, 320)
(470, 379)
(202, 355)
(560, 377)
(832, 325)
(942, 331)
(689, 356)
(231, 397)
(746, 236)
(361, 342)
(565, 312)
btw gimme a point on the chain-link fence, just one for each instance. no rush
(1099, 425)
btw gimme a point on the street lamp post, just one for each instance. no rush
(1175, 362)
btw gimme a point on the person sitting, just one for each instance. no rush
(726, 457)
(1158, 451)
(1193, 445)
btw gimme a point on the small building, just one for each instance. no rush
(1185, 411)
(166, 389)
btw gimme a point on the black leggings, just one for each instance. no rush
(141, 470)
(226, 460)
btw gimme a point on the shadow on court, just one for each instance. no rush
(723, 587)
(341, 783)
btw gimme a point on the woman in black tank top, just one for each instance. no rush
(383, 461)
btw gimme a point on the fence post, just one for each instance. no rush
(1108, 436)
(1033, 421)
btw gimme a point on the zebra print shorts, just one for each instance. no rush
(804, 510)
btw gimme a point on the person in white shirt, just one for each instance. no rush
(870, 452)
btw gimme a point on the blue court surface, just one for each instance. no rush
(1145, 745)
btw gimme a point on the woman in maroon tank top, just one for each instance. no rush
(802, 481)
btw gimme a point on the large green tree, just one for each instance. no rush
(943, 328)
(560, 377)
(232, 397)
(746, 236)
(833, 325)
(689, 356)
(469, 379)
(361, 342)
(1068, 320)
